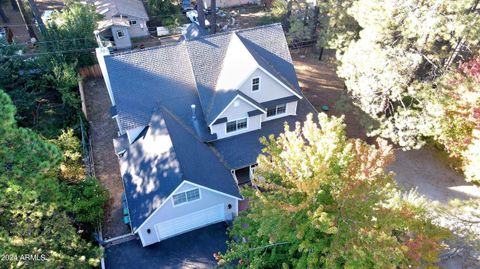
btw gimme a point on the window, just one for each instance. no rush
(120, 34)
(236, 125)
(255, 84)
(277, 110)
(133, 22)
(187, 196)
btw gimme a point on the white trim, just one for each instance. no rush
(236, 125)
(120, 31)
(251, 84)
(174, 191)
(164, 201)
(279, 82)
(187, 202)
(276, 111)
(231, 102)
(156, 225)
(207, 188)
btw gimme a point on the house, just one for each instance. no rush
(122, 21)
(223, 3)
(190, 116)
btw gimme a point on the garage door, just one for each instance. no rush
(190, 222)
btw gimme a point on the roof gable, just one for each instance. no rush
(161, 159)
(113, 8)
(177, 76)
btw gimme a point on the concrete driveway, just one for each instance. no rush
(191, 250)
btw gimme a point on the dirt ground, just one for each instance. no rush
(107, 171)
(322, 86)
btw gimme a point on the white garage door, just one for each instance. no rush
(190, 222)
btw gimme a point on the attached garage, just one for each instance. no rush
(190, 222)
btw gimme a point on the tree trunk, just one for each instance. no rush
(213, 23)
(37, 15)
(26, 19)
(460, 43)
(313, 29)
(3, 15)
(286, 19)
(201, 16)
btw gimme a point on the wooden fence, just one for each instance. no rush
(92, 71)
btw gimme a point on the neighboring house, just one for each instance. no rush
(122, 21)
(225, 3)
(190, 116)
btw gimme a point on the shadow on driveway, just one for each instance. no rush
(191, 250)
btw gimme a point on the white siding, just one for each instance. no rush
(101, 53)
(291, 110)
(269, 88)
(167, 211)
(125, 41)
(253, 123)
(238, 109)
(139, 29)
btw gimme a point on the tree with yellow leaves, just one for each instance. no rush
(324, 201)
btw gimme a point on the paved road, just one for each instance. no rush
(191, 250)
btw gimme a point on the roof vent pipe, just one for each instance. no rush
(194, 115)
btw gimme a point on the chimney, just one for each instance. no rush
(194, 114)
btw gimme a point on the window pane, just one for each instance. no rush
(281, 109)
(231, 126)
(272, 111)
(179, 198)
(242, 124)
(255, 84)
(193, 195)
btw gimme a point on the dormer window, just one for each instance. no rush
(255, 84)
(236, 125)
(276, 110)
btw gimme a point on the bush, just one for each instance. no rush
(86, 201)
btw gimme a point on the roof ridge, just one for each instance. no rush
(183, 125)
(236, 31)
(133, 51)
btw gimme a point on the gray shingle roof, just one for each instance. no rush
(249, 143)
(165, 154)
(174, 77)
(114, 8)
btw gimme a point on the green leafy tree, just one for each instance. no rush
(87, 199)
(65, 79)
(403, 48)
(455, 108)
(69, 36)
(162, 7)
(324, 201)
(71, 167)
(338, 27)
(31, 221)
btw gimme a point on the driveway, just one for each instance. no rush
(191, 250)
(427, 171)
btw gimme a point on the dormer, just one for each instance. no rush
(248, 91)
